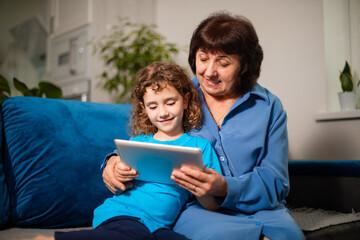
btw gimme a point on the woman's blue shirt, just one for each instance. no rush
(252, 147)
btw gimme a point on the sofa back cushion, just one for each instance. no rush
(54, 150)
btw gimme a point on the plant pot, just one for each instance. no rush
(347, 100)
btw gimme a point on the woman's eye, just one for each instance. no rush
(202, 57)
(224, 63)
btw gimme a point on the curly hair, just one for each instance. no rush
(222, 32)
(157, 75)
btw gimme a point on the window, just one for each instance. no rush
(342, 43)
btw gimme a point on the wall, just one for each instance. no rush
(291, 33)
(105, 14)
(13, 61)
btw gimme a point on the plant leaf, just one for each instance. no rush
(35, 92)
(21, 87)
(347, 68)
(129, 48)
(50, 90)
(346, 82)
(4, 85)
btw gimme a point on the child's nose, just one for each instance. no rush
(164, 112)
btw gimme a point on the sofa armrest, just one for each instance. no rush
(328, 185)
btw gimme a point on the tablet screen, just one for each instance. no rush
(155, 162)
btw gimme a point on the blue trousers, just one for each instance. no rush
(198, 224)
(120, 228)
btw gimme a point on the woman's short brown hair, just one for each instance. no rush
(222, 32)
(158, 75)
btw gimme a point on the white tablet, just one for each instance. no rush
(155, 162)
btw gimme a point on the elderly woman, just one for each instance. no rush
(246, 124)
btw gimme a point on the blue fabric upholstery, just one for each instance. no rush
(55, 149)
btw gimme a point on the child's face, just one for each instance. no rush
(165, 109)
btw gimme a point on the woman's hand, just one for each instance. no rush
(117, 175)
(205, 182)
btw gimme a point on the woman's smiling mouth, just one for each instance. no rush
(212, 82)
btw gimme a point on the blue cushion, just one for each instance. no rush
(55, 150)
(4, 194)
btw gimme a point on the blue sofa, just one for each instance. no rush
(51, 153)
(50, 176)
(325, 195)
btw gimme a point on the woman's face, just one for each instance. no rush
(217, 73)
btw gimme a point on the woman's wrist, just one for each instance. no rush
(103, 165)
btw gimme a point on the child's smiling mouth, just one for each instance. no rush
(166, 120)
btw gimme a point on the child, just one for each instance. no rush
(165, 107)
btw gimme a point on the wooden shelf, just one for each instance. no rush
(339, 115)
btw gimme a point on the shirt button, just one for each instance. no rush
(258, 223)
(222, 158)
(250, 217)
(227, 172)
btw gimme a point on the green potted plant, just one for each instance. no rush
(127, 49)
(347, 96)
(45, 89)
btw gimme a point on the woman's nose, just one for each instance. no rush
(211, 70)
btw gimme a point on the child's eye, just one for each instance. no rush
(170, 103)
(152, 107)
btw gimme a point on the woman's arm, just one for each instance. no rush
(208, 202)
(206, 183)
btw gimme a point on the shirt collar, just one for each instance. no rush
(259, 91)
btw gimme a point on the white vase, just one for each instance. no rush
(347, 100)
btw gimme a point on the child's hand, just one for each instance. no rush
(116, 175)
(123, 172)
